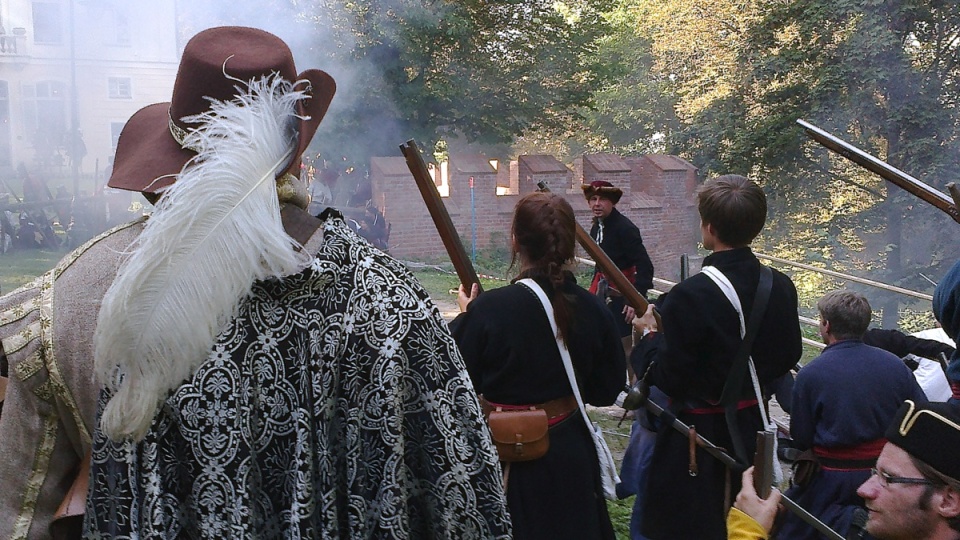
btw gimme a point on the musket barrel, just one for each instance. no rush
(884, 170)
(440, 216)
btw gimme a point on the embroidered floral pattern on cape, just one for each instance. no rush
(335, 405)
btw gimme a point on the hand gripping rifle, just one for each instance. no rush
(950, 205)
(440, 216)
(725, 458)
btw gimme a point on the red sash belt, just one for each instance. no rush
(861, 456)
(630, 273)
(955, 388)
(719, 409)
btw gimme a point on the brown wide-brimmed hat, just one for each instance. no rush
(214, 63)
(602, 188)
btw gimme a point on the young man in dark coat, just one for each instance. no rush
(691, 357)
(843, 402)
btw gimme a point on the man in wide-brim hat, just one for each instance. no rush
(268, 373)
(620, 239)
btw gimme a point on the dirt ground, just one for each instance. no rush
(448, 308)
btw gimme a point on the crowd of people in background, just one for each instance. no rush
(36, 218)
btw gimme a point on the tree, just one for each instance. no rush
(473, 71)
(469, 71)
(880, 73)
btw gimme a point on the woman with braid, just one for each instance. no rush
(513, 359)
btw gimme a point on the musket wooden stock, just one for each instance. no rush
(606, 265)
(763, 464)
(884, 170)
(725, 458)
(438, 212)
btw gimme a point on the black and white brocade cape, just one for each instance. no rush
(335, 405)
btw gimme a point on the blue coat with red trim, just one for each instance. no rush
(843, 402)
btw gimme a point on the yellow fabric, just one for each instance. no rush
(743, 527)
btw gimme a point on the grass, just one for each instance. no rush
(19, 267)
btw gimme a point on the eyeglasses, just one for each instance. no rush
(886, 479)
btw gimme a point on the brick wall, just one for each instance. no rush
(658, 197)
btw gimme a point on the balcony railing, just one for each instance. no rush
(13, 44)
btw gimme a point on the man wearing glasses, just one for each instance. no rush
(912, 493)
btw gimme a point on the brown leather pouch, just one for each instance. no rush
(804, 468)
(519, 435)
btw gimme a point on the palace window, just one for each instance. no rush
(47, 24)
(120, 87)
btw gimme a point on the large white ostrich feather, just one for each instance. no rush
(216, 230)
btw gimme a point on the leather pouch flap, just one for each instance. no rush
(523, 426)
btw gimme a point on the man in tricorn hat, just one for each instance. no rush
(620, 239)
(268, 373)
(913, 492)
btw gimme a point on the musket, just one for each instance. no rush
(888, 172)
(440, 216)
(606, 265)
(763, 463)
(725, 458)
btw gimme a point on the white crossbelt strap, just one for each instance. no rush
(564, 354)
(727, 288)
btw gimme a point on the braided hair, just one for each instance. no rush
(544, 232)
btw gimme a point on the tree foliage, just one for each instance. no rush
(879, 73)
(468, 71)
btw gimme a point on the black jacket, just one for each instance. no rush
(623, 244)
(701, 330)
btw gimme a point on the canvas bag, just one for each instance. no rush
(608, 468)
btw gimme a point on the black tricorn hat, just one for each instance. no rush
(929, 432)
(148, 154)
(602, 188)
